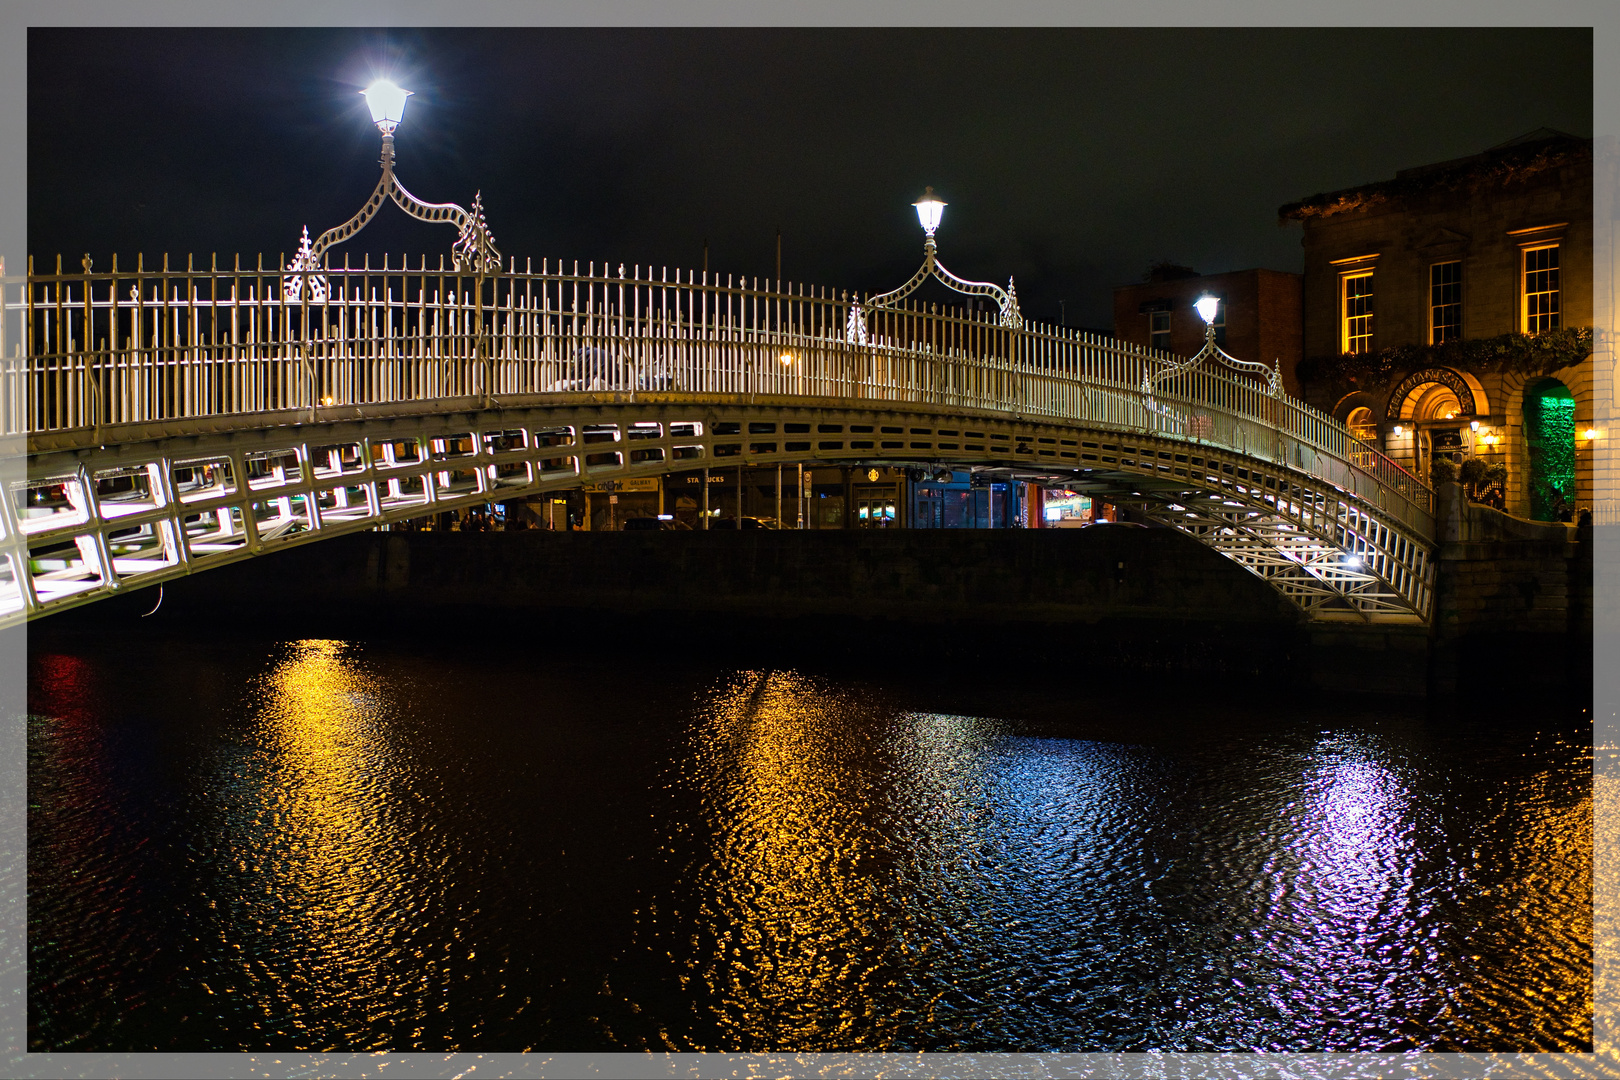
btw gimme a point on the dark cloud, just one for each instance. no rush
(1071, 158)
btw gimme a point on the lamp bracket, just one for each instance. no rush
(1214, 354)
(474, 248)
(1006, 299)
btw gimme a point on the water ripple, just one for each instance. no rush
(327, 846)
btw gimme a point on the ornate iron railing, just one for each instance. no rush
(95, 350)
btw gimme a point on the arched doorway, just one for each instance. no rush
(1549, 439)
(1435, 408)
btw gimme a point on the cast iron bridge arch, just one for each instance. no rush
(176, 420)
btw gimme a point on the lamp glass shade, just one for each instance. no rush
(386, 101)
(1207, 307)
(930, 210)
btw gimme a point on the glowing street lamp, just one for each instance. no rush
(930, 210)
(1208, 307)
(473, 250)
(387, 104)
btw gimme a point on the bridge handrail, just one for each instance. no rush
(193, 343)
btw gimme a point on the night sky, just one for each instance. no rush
(1071, 158)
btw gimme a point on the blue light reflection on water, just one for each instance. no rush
(338, 846)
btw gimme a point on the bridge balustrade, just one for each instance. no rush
(96, 351)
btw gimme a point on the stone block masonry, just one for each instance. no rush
(1514, 601)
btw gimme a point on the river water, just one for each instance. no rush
(337, 845)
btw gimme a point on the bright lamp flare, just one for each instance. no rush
(930, 210)
(387, 103)
(1207, 307)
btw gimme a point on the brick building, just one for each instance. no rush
(1448, 314)
(1259, 318)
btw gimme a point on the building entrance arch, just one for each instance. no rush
(1438, 405)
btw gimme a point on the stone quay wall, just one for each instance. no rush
(1513, 597)
(1514, 600)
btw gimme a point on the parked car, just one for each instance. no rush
(746, 523)
(650, 524)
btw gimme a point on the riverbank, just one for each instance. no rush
(1107, 603)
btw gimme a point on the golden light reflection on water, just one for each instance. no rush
(318, 852)
(795, 876)
(1542, 937)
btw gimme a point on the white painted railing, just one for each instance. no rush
(94, 350)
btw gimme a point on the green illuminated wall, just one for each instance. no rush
(1549, 435)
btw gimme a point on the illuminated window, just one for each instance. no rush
(1159, 330)
(1540, 289)
(1358, 312)
(1361, 425)
(1445, 302)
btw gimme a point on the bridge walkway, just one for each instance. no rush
(226, 419)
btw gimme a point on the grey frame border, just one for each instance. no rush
(17, 15)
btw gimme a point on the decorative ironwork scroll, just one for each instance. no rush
(1006, 299)
(474, 250)
(1272, 374)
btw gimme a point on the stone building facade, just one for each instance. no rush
(1448, 314)
(1259, 318)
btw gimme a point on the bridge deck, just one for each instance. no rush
(225, 419)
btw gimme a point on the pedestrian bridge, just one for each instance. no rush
(167, 420)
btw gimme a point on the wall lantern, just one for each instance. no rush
(1399, 431)
(1473, 425)
(1589, 434)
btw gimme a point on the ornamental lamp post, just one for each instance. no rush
(1208, 307)
(930, 211)
(474, 250)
